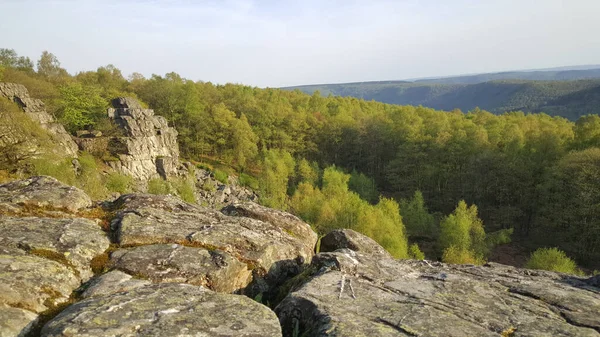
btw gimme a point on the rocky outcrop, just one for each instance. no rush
(36, 110)
(165, 310)
(347, 238)
(357, 294)
(149, 147)
(213, 193)
(271, 249)
(41, 192)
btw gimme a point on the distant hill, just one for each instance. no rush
(565, 92)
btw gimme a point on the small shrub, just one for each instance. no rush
(119, 183)
(208, 186)
(552, 259)
(221, 176)
(158, 186)
(456, 255)
(185, 190)
(204, 166)
(415, 253)
(248, 181)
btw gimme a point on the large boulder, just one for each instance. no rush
(272, 250)
(355, 294)
(41, 192)
(112, 282)
(213, 269)
(42, 261)
(347, 238)
(165, 310)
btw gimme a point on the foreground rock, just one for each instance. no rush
(273, 249)
(347, 238)
(41, 192)
(112, 282)
(355, 294)
(213, 269)
(165, 310)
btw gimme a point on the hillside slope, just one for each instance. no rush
(569, 99)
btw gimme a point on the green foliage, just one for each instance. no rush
(277, 168)
(335, 206)
(552, 259)
(80, 107)
(185, 189)
(158, 186)
(415, 253)
(364, 186)
(119, 183)
(416, 217)
(248, 181)
(221, 176)
(500, 237)
(462, 237)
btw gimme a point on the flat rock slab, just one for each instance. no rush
(15, 321)
(213, 269)
(112, 282)
(34, 283)
(266, 247)
(165, 310)
(72, 242)
(42, 192)
(353, 294)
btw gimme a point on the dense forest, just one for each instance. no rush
(570, 99)
(458, 183)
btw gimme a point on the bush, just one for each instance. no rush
(221, 176)
(119, 183)
(415, 253)
(552, 259)
(248, 181)
(158, 186)
(456, 255)
(185, 190)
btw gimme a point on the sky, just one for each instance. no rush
(274, 43)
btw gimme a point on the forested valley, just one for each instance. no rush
(456, 184)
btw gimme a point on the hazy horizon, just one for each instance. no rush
(291, 43)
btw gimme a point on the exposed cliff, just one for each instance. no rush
(35, 109)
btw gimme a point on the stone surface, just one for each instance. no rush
(356, 294)
(290, 224)
(72, 242)
(214, 269)
(149, 144)
(165, 310)
(215, 194)
(347, 238)
(270, 251)
(36, 110)
(112, 282)
(15, 321)
(42, 192)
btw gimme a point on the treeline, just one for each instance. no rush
(536, 174)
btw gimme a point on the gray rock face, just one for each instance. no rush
(72, 242)
(42, 192)
(36, 110)
(355, 294)
(42, 260)
(16, 321)
(149, 148)
(165, 310)
(112, 282)
(213, 269)
(347, 238)
(213, 193)
(270, 249)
